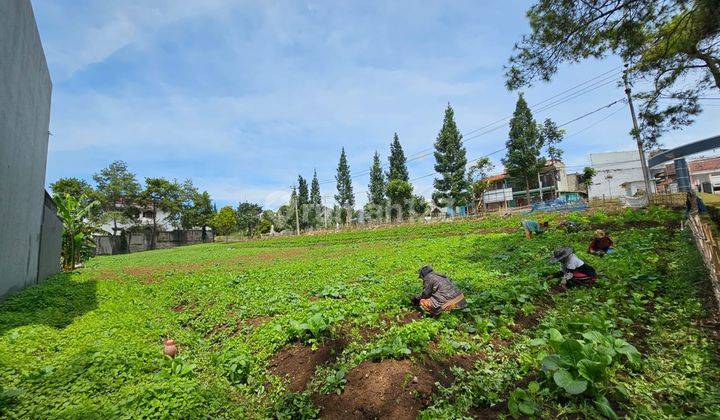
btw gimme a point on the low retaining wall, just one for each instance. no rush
(138, 242)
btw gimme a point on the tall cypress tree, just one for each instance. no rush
(344, 197)
(450, 163)
(315, 201)
(376, 188)
(303, 201)
(524, 145)
(398, 163)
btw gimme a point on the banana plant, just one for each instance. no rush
(77, 228)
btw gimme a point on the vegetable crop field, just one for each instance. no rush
(322, 326)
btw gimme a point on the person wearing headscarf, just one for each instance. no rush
(601, 243)
(573, 270)
(439, 293)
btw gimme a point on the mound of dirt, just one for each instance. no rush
(297, 362)
(391, 389)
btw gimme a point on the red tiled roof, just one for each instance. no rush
(494, 178)
(709, 164)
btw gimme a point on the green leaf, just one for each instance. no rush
(551, 363)
(565, 380)
(533, 387)
(527, 407)
(538, 342)
(632, 354)
(603, 406)
(554, 335)
(592, 371)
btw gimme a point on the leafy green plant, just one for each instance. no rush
(333, 291)
(584, 366)
(77, 243)
(313, 328)
(237, 369)
(396, 348)
(177, 366)
(295, 405)
(334, 381)
(523, 402)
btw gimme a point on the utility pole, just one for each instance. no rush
(297, 217)
(636, 132)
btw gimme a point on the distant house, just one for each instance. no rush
(616, 173)
(704, 176)
(144, 218)
(553, 182)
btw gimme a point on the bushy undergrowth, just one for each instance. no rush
(89, 344)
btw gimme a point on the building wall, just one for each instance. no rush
(50, 241)
(25, 89)
(612, 170)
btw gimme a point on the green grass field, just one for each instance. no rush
(310, 326)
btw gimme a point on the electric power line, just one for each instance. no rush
(571, 93)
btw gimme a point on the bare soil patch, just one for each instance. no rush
(391, 389)
(182, 306)
(297, 362)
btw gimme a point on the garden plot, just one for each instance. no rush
(321, 326)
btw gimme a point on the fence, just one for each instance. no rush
(708, 247)
(138, 242)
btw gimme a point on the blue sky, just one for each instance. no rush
(244, 96)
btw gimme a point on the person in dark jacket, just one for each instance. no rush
(573, 270)
(439, 293)
(601, 243)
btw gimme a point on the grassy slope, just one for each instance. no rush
(89, 343)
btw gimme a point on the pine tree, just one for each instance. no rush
(315, 201)
(344, 197)
(524, 144)
(398, 163)
(452, 187)
(376, 189)
(292, 213)
(303, 201)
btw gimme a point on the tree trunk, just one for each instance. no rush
(154, 229)
(712, 64)
(527, 190)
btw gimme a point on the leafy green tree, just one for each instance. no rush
(399, 193)
(551, 137)
(478, 174)
(672, 44)
(344, 197)
(197, 209)
(77, 240)
(523, 160)
(74, 187)
(587, 177)
(303, 202)
(376, 189)
(248, 217)
(452, 187)
(315, 202)
(224, 222)
(398, 163)
(161, 195)
(419, 204)
(118, 192)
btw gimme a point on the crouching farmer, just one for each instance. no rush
(439, 293)
(601, 243)
(573, 270)
(532, 227)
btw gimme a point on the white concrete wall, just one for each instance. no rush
(612, 170)
(25, 89)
